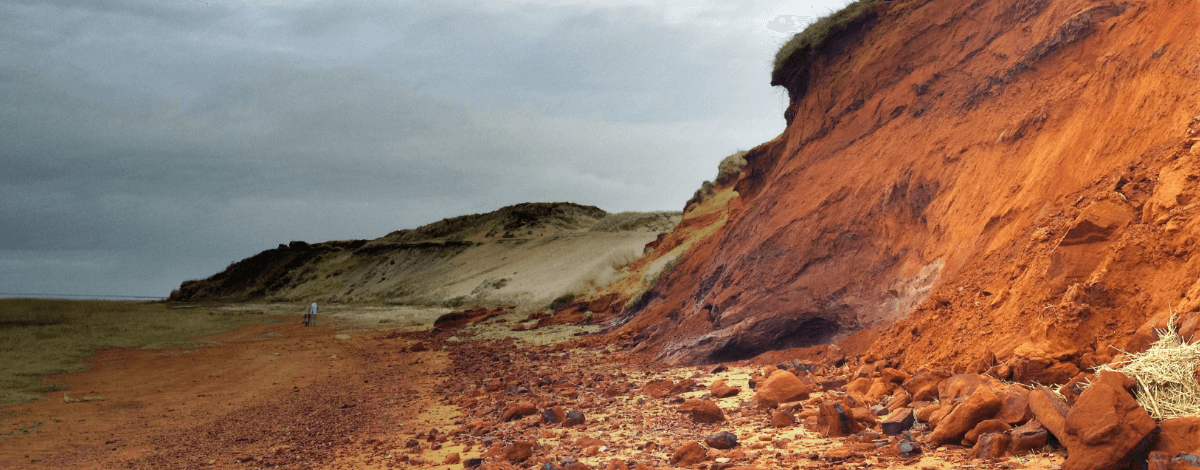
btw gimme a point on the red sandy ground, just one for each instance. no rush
(278, 394)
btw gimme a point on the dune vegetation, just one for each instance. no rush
(817, 31)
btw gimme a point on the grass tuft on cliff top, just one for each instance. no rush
(817, 31)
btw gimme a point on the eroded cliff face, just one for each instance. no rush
(969, 179)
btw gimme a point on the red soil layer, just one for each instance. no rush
(964, 178)
(270, 395)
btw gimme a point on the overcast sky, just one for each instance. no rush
(147, 142)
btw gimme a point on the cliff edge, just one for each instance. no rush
(1007, 182)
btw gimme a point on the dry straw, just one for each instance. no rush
(1165, 374)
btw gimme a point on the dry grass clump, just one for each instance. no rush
(1165, 375)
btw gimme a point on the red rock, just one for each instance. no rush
(860, 385)
(518, 410)
(864, 416)
(1075, 386)
(1031, 436)
(419, 346)
(782, 419)
(518, 451)
(985, 427)
(1041, 370)
(1166, 461)
(938, 414)
(782, 387)
(925, 410)
(1050, 410)
(878, 390)
(573, 418)
(923, 386)
(895, 376)
(721, 440)
(1014, 405)
(958, 386)
(720, 390)
(898, 421)
(690, 453)
(835, 418)
(702, 411)
(554, 415)
(980, 405)
(1179, 435)
(658, 388)
(685, 385)
(585, 442)
(617, 464)
(452, 459)
(866, 370)
(900, 399)
(1106, 429)
(990, 447)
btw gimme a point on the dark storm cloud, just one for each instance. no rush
(146, 142)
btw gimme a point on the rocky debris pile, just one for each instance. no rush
(597, 407)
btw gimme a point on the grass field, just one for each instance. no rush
(45, 337)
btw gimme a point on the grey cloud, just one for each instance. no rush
(158, 143)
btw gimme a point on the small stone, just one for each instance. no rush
(472, 462)
(573, 418)
(718, 369)
(690, 453)
(782, 419)
(720, 390)
(984, 427)
(518, 451)
(518, 410)
(452, 459)
(658, 388)
(721, 440)
(702, 411)
(554, 415)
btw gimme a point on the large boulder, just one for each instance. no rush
(1179, 435)
(923, 386)
(1050, 410)
(1106, 429)
(990, 447)
(1031, 436)
(781, 387)
(1014, 405)
(835, 418)
(980, 405)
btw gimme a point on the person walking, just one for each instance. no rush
(312, 312)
